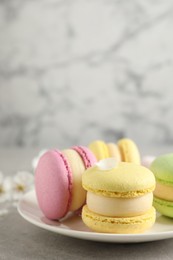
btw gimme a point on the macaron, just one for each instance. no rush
(129, 151)
(58, 180)
(125, 150)
(114, 151)
(119, 197)
(100, 149)
(104, 150)
(162, 167)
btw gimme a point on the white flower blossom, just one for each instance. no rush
(5, 188)
(21, 183)
(36, 159)
(5, 194)
(13, 188)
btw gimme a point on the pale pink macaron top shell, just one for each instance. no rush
(53, 184)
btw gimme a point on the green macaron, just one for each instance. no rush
(162, 167)
(164, 207)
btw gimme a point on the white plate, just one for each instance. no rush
(73, 226)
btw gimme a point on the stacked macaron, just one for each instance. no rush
(125, 150)
(58, 180)
(119, 197)
(162, 167)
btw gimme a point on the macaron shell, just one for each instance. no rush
(126, 180)
(162, 167)
(163, 206)
(129, 225)
(129, 151)
(87, 156)
(114, 151)
(100, 150)
(77, 166)
(53, 183)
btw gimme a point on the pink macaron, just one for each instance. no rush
(58, 180)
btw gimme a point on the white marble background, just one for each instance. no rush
(72, 71)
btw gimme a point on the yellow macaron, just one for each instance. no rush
(129, 151)
(119, 197)
(125, 150)
(100, 149)
(114, 151)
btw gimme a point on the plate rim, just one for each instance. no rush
(94, 236)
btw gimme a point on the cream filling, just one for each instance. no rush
(77, 168)
(119, 207)
(163, 191)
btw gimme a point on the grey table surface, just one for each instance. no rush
(20, 239)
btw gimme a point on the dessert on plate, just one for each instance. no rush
(119, 197)
(58, 180)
